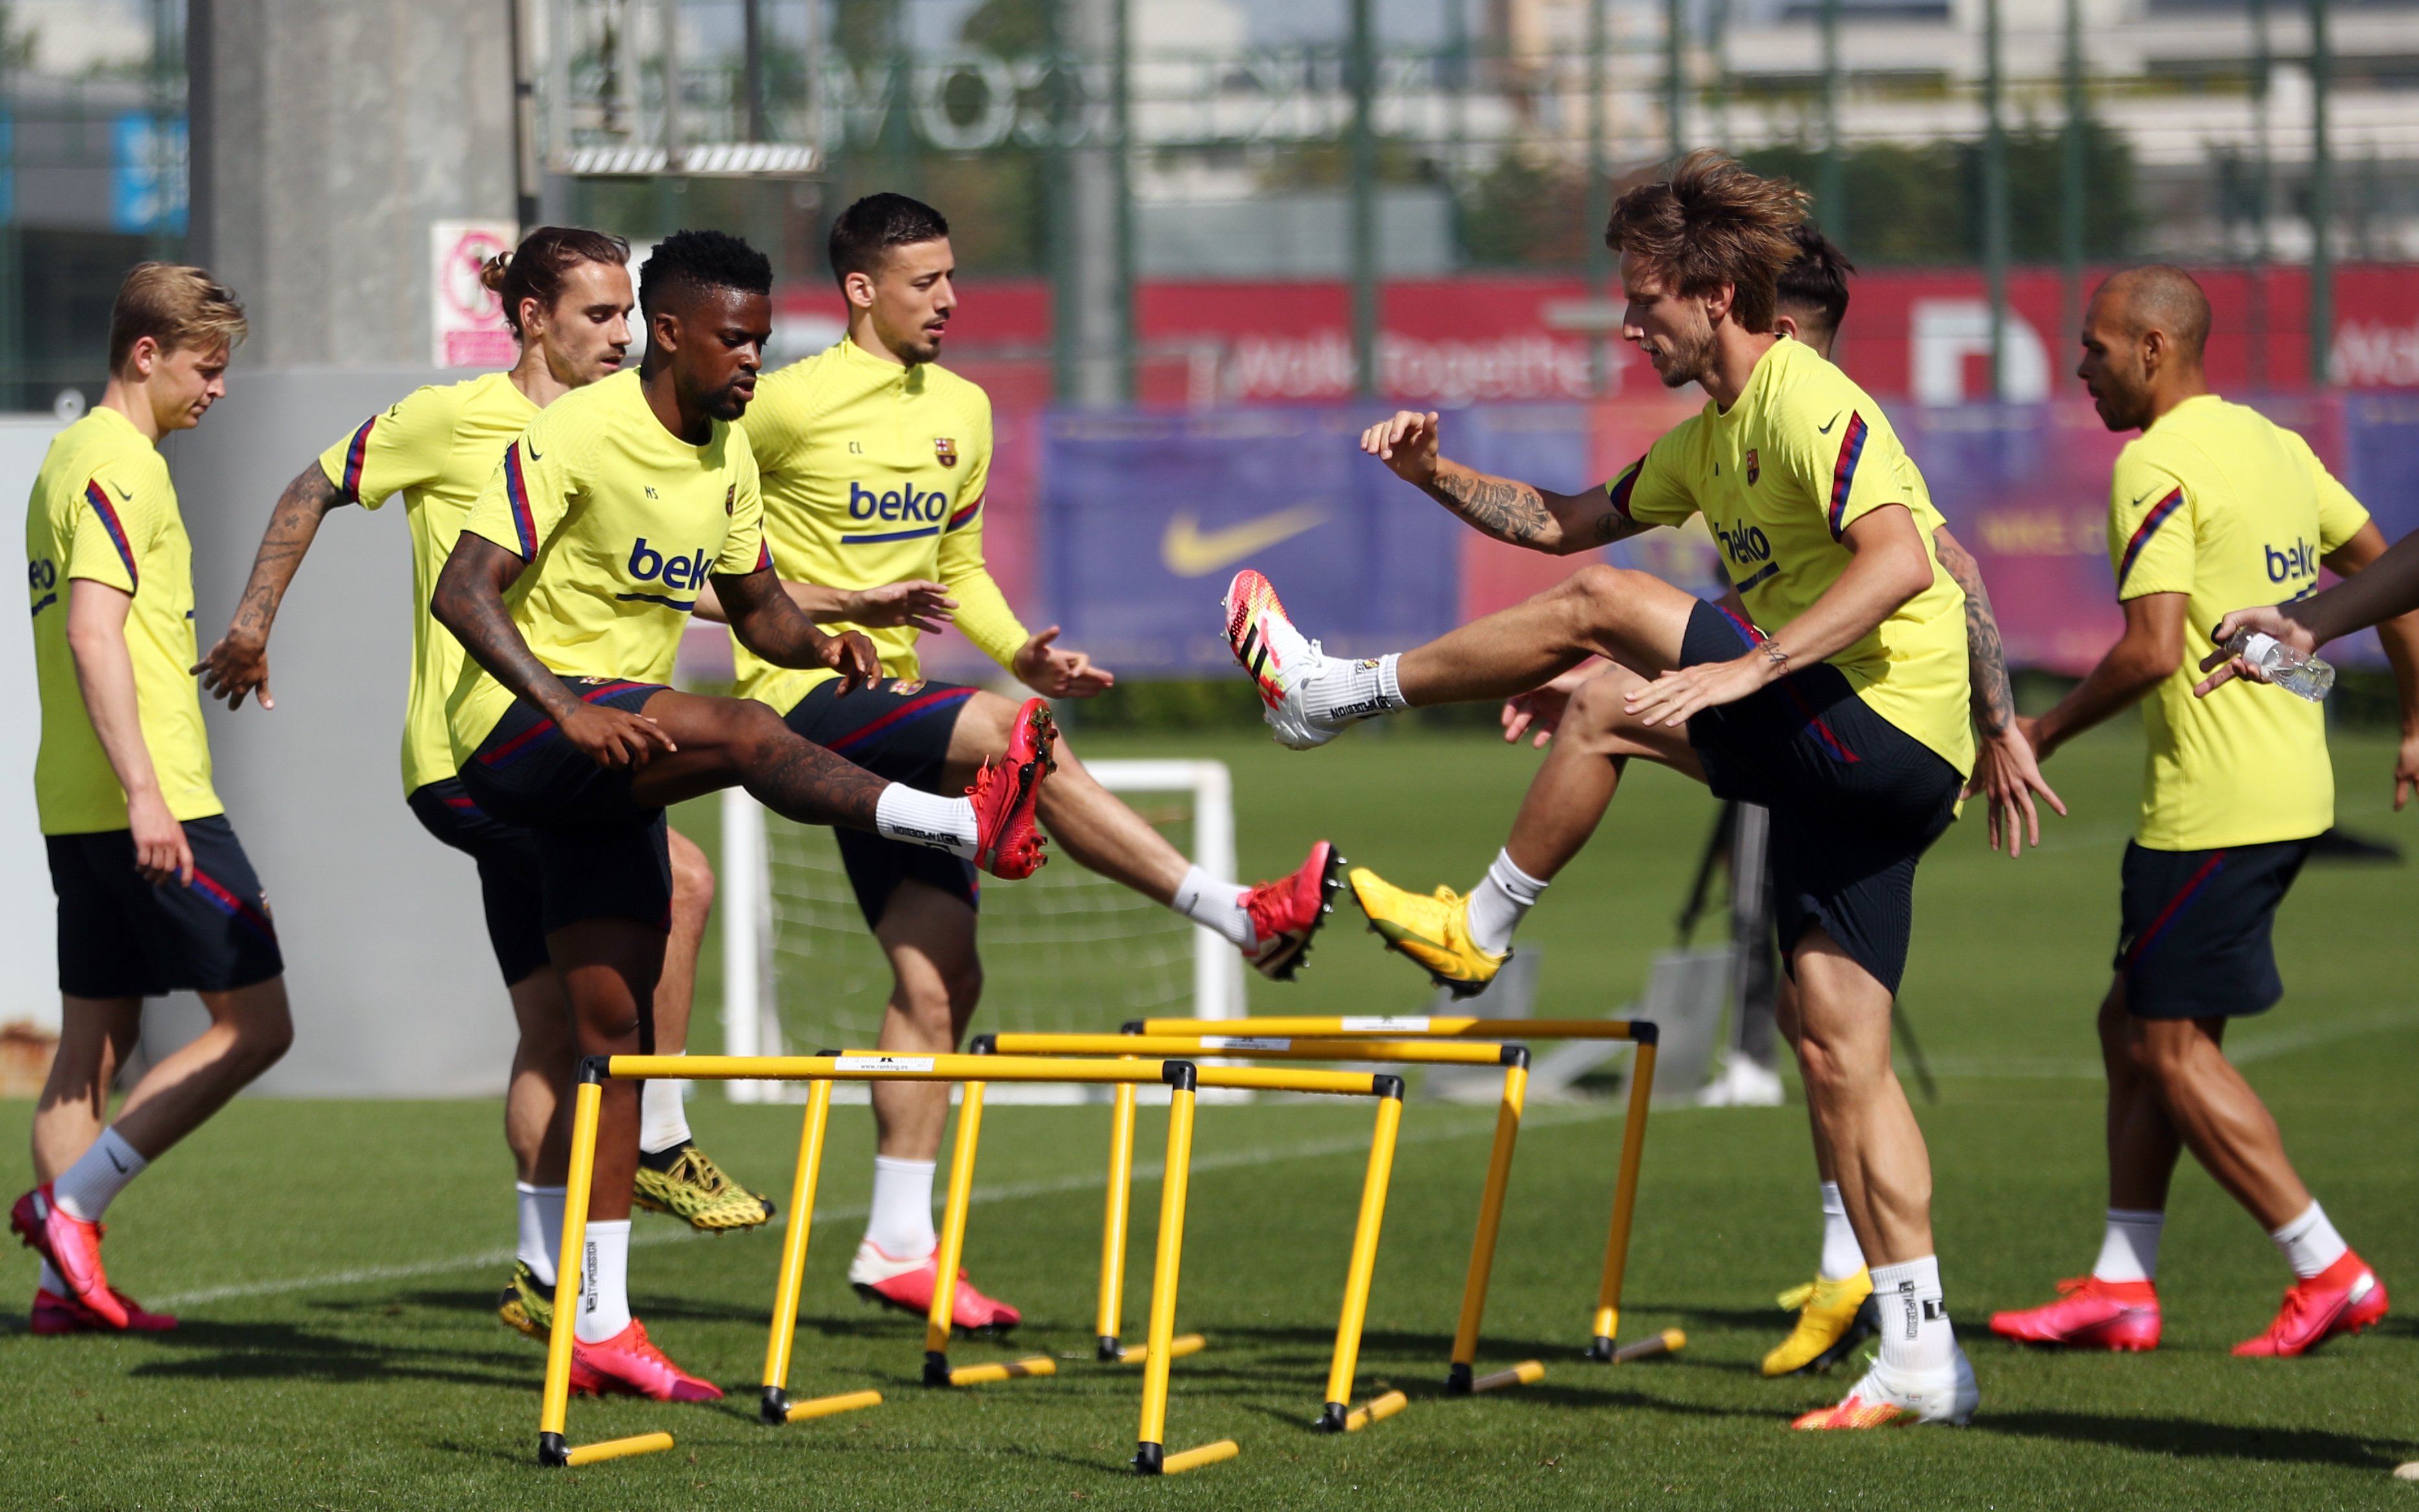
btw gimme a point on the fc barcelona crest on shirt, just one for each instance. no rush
(1752, 471)
(731, 498)
(945, 448)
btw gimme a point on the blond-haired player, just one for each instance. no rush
(154, 890)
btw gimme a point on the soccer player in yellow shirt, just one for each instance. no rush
(566, 296)
(1841, 706)
(154, 892)
(2211, 506)
(568, 586)
(875, 459)
(1835, 1311)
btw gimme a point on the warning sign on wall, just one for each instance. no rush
(467, 320)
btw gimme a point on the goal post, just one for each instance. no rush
(1068, 952)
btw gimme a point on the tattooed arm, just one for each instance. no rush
(1504, 508)
(239, 664)
(1986, 661)
(2006, 770)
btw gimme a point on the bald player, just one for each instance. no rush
(2211, 506)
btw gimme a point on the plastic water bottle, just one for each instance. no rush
(2307, 677)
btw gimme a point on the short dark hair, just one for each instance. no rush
(863, 234)
(1713, 222)
(1818, 280)
(696, 260)
(536, 268)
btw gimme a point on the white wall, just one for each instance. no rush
(28, 935)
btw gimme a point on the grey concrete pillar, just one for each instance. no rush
(326, 140)
(1092, 276)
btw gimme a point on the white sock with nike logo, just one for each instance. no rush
(1356, 690)
(926, 819)
(1215, 905)
(2310, 1242)
(1917, 1339)
(86, 1189)
(1499, 903)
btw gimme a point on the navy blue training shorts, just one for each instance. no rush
(2196, 941)
(120, 937)
(899, 729)
(510, 886)
(601, 854)
(1856, 801)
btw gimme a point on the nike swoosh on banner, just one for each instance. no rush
(1187, 551)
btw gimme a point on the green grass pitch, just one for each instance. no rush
(334, 1263)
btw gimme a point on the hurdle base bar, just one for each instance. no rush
(1109, 1349)
(939, 1372)
(775, 1408)
(1337, 1418)
(1150, 1461)
(1178, 1348)
(552, 1451)
(1670, 1341)
(1461, 1383)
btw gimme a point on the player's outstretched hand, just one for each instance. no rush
(161, 853)
(851, 654)
(1058, 673)
(234, 669)
(2269, 619)
(2007, 773)
(1674, 697)
(1407, 443)
(1542, 709)
(615, 737)
(916, 603)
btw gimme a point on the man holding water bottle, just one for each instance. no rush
(2211, 507)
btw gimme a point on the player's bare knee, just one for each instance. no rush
(1598, 594)
(692, 879)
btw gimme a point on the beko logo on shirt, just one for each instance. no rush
(1745, 545)
(2285, 564)
(907, 504)
(647, 564)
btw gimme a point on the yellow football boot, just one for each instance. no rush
(685, 1183)
(1431, 928)
(1833, 1317)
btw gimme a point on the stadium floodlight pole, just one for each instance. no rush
(1717, 43)
(2322, 184)
(1831, 188)
(1366, 312)
(1642, 1032)
(1995, 195)
(668, 19)
(751, 80)
(2075, 184)
(1128, 380)
(1599, 193)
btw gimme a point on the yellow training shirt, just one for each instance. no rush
(436, 446)
(2215, 501)
(104, 510)
(874, 474)
(1802, 456)
(620, 521)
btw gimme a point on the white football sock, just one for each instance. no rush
(1843, 1256)
(605, 1282)
(1355, 690)
(901, 1223)
(87, 1188)
(1215, 905)
(1916, 1335)
(541, 1208)
(1498, 902)
(663, 1118)
(51, 1282)
(2130, 1250)
(926, 819)
(2310, 1242)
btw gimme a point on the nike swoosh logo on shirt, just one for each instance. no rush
(123, 494)
(2138, 497)
(1824, 428)
(1189, 551)
(531, 447)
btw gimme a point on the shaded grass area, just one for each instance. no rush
(334, 1262)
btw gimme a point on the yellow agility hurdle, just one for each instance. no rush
(1180, 1076)
(1334, 1418)
(1345, 1361)
(1461, 1378)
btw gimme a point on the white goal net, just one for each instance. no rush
(1066, 951)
